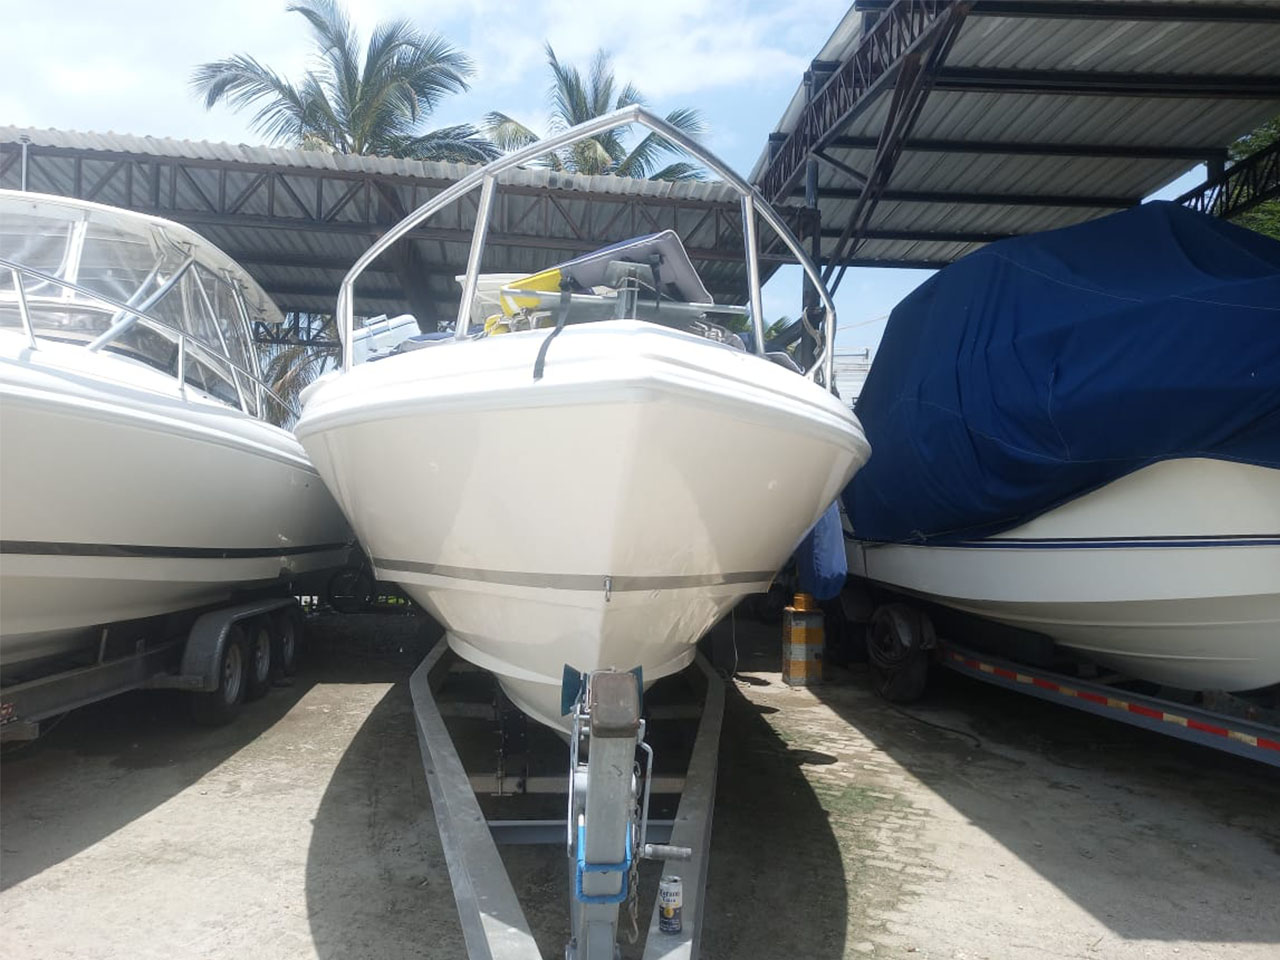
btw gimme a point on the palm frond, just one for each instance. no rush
(292, 367)
(680, 171)
(337, 42)
(434, 67)
(241, 81)
(688, 121)
(629, 95)
(591, 157)
(567, 95)
(573, 100)
(461, 143)
(506, 132)
(600, 90)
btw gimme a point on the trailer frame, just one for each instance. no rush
(493, 922)
(1219, 731)
(25, 705)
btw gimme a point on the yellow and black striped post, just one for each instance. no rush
(802, 641)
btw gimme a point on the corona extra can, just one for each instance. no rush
(671, 904)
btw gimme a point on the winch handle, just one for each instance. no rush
(665, 851)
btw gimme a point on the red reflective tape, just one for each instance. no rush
(1264, 743)
(1207, 727)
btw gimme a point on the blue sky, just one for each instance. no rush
(124, 66)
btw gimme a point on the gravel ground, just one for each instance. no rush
(977, 824)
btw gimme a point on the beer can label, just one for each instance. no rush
(670, 905)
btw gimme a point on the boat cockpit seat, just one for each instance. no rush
(420, 341)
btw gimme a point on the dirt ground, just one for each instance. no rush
(978, 824)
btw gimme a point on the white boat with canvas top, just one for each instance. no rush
(143, 462)
(591, 469)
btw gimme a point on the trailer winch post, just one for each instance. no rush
(605, 823)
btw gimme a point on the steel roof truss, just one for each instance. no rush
(918, 71)
(1031, 149)
(1077, 83)
(906, 27)
(1213, 11)
(1241, 187)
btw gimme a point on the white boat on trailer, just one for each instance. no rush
(1170, 574)
(578, 486)
(144, 466)
(1081, 474)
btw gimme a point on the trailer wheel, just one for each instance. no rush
(898, 638)
(286, 637)
(217, 707)
(258, 648)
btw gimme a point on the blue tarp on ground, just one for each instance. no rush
(1039, 368)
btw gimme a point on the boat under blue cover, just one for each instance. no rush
(1042, 367)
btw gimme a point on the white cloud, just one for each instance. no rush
(125, 66)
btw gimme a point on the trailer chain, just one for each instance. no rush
(633, 878)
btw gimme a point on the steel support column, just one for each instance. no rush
(915, 80)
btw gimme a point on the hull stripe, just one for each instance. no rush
(45, 548)
(571, 581)
(1094, 543)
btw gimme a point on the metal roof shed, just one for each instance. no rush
(926, 128)
(298, 219)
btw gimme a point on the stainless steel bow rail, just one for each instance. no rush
(486, 180)
(606, 831)
(125, 316)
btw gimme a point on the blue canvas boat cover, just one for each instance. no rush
(1042, 367)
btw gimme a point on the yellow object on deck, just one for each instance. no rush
(548, 281)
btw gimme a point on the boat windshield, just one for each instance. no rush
(134, 286)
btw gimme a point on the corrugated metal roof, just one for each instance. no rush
(297, 219)
(957, 191)
(322, 160)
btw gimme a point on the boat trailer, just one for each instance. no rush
(1217, 729)
(606, 831)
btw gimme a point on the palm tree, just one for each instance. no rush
(291, 367)
(575, 100)
(374, 108)
(1264, 218)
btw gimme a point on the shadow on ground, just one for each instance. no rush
(1156, 838)
(58, 796)
(374, 831)
(103, 766)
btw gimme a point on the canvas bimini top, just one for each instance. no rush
(1042, 367)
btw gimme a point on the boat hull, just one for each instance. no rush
(1170, 574)
(123, 500)
(606, 515)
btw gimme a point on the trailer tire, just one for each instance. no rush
(218, 707)
(259, 647)
(898, 639)
(286, 639)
